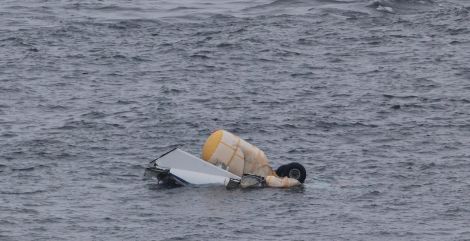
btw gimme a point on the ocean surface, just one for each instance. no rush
(372, 97)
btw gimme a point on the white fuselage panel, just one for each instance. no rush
(192, 169)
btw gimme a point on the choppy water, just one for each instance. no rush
(373, 97)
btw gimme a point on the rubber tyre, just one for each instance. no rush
(293, 170)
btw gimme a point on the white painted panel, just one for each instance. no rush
(198, 177)
(182, 160)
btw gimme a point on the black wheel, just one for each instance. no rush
(292, 170)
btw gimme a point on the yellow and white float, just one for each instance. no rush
(239, 157)
(226, 159)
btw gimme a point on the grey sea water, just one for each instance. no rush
(372, 97)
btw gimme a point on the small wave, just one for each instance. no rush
(220, 16)
(428, 166)
(53, 107)
(276, 3)
(25, 169)
(102, 7)
(369, 195)
(39, 142)
(129, 24)
(199, 56)
(404, 97)
(22, 193)
(410, 187)
(456, 211)
(226, 45)
(16, 41)
(392, 6)
(461, 100)
(457, 31)
(171, 90)
(115, 8)
(283, 2)
(2, 168)
(9, 135)
(11, 90)
(317, 184)
(69, 125)
(325, 124)
(182, 8)
(126, 102)
(94, 115)
(31, 168)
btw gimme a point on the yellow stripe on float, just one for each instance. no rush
(211, 144)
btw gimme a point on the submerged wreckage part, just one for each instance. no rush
(177, 168)
(250, 181)
(164, 176)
